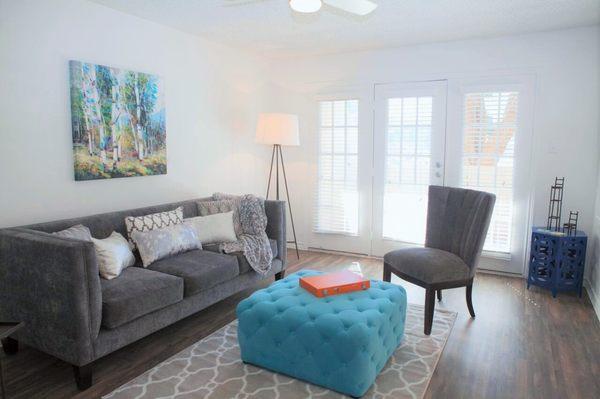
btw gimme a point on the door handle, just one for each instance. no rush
(438, 164)
(438, 174)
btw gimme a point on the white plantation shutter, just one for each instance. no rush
(490, 121)
(407, 167)
(337, 187)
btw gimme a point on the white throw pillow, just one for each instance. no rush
(214, 228)
(113, 255)
(160, 243)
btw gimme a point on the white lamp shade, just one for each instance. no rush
(279, 129)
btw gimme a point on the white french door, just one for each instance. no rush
(409, 147)
(381, 148)
(489, 149)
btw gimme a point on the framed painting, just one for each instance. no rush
(118, 122)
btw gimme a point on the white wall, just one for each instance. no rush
(214, 93)
(212, 97)
(566, 125)
(593, 265)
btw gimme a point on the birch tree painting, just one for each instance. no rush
(118, 122)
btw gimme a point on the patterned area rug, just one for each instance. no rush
(211, 368)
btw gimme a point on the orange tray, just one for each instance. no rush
(334, 283)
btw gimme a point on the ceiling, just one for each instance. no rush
(270, 28)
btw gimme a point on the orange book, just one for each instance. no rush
(334, 283)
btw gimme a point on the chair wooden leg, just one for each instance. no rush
(469, 299)
(83, 376)
(439, 295)
(280, 275)
(429, 308)
(10, 345)
(2, 386)
(387, 273)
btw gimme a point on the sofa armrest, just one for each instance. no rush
(52, 284)
(276, 220)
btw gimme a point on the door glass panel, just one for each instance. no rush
(490, 124)
(407, 168)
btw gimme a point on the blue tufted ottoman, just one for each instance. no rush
(340, 342)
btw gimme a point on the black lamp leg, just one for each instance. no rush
(287, 193)
(270, 172)
(277, 172)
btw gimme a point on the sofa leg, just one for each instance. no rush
(429, 307)
(10, 345)
(83, 376)
(280, 275)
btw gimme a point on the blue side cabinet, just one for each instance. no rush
(557, 262)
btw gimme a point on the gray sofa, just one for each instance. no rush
(52, 284)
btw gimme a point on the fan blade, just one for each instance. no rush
(358, 7)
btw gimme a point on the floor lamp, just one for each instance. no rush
(277, 130)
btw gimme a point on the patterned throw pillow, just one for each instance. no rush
(152, 222)
(161, 243)
(206, 208)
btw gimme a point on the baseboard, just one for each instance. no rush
(594, 296)
(300, 246)
(344, 253)
(499, 273)
(359, 255)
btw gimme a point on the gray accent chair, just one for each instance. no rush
(457, 224)
(52, 284)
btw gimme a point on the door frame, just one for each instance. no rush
(360, 243)
(515, 261)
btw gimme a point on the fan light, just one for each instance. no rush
(305, 6)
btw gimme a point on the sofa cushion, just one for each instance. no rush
(199, 269)
(137, 292)
(242, 261)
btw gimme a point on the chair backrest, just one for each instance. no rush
(458, 221)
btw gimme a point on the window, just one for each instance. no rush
(337, 191)
(490, 121)
(407, 168)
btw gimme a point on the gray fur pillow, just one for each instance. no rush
(77, 232)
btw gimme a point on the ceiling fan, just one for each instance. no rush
(356, 7)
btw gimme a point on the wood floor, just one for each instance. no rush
(523, 344)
